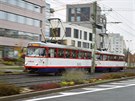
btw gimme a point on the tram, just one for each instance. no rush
(55, 58)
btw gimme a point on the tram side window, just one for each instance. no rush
(105, 57)
(67, 53)
(116, 57)
(42, 52)
(99, 57)
(121, 58)
(79, 54)
(74, 55)
(52, 52)
(61, 53)
(89, 55)
(85, 55)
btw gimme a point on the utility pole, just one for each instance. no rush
(94, 38)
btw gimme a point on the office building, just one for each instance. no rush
(21, 21)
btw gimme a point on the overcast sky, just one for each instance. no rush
(122, 11)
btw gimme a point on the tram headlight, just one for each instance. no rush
(36, 63)
(26, 63)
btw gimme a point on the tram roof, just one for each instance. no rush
(55, 45)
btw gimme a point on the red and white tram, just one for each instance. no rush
(54, 58)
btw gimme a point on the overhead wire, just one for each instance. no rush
(124, 19)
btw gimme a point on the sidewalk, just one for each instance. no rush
(11, 69)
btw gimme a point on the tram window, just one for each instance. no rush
(121, 58)
(42, 52)
(111, 57)
(52, 52)
(104, 57)
(67, 53)
(89, 55)
(85, 55)
(99, 57)
(116, 58)
(74, 55)
(79, 54)
(61, 53)
(33, 51)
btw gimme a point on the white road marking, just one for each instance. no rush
(107, 85)
(115, 83)
(77, 93)
(93, 88)
(68, 93)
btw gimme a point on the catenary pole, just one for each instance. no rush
(94, 37)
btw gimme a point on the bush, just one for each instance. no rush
(45, 86)
(65, 83)
(129, 74)
(115, 76)
(8, 63)
(77, 76)
(19, 61)
(8, 89)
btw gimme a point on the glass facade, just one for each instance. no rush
(23, 4)
(19, 19)
(18, 34)
(78, 14)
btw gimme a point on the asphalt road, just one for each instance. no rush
(116, 91)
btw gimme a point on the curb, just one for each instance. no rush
(31, 94)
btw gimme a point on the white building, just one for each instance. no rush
(115, 43)
(77, 36)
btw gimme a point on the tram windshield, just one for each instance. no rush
(34, 51)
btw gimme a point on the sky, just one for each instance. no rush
(123, 11)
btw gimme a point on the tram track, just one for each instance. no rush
(33, 79)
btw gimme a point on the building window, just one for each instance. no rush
(72, 18)
(78, 18)
(37, 23)
(3, 0)
(91, 46)
(17, 34)
(68, 32)
(22, 3)
(90, 36)
(79, 43)
(12, 17)
(76, 33)
(85, 35)
(80, 34)
(85, 12)
(3, 15)
(85, 45)
(13, 2)
(78, 10)
(21, 19)
(29, 21)
(30, 6)
(73, 11)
